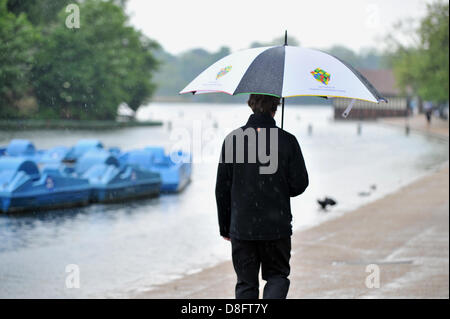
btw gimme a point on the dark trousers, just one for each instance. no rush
(273, 258)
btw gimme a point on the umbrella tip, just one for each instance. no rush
(285, 37)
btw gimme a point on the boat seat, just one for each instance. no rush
(20, 148)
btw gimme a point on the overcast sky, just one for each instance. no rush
(181, 25)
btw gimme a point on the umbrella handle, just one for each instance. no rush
(348, 109)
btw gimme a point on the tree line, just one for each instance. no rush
(416, 50)
(48, 70)
(177, 71)
(419, 53)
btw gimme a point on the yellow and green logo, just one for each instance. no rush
(223, 71)
(321, 75)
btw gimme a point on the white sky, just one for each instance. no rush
(184, 24)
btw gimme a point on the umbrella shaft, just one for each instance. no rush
(282, 112)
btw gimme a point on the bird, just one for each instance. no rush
(373, 187)
(327, 201)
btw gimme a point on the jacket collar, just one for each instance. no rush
(260, 120)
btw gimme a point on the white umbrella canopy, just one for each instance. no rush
(285, 71)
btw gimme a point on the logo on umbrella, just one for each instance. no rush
(223, 71)
(321, 75)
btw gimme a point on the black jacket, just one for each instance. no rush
(255, 206)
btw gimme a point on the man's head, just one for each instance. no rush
(263, 104)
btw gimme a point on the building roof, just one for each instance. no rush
(383, 80)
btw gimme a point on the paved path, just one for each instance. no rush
(406, 234)
(438, 127)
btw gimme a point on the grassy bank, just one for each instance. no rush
(71, 124)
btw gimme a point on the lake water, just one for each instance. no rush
(125, 248)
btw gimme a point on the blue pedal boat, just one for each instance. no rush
(111, 181)
(53, 156)
(18, 147)
(175, 175)
(23, 187)
(81, 148)
(23, 148)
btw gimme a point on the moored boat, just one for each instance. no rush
(24, 187)
(79, 149)
(175, 169)
(111, 181)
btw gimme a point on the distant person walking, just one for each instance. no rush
(261, 167)
(428, 107)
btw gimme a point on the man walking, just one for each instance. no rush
(261, 167)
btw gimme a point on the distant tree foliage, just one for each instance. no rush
(277, 41)
(17, 41)
(178, 70)
(50, 71)
(40, 12)
(86, 73)
(423, 63)
(368, 58)
(43, 12)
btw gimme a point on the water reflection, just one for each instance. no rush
(26, 228)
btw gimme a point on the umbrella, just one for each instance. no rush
(285, 71)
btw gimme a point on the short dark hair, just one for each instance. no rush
(260, 103)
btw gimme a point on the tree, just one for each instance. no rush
(86, 73)
(277, 41)
(345, 54)
(177, 71)
(17, 39)
(43, 12)
(38, 12)
(433, 32)
(423, 64)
